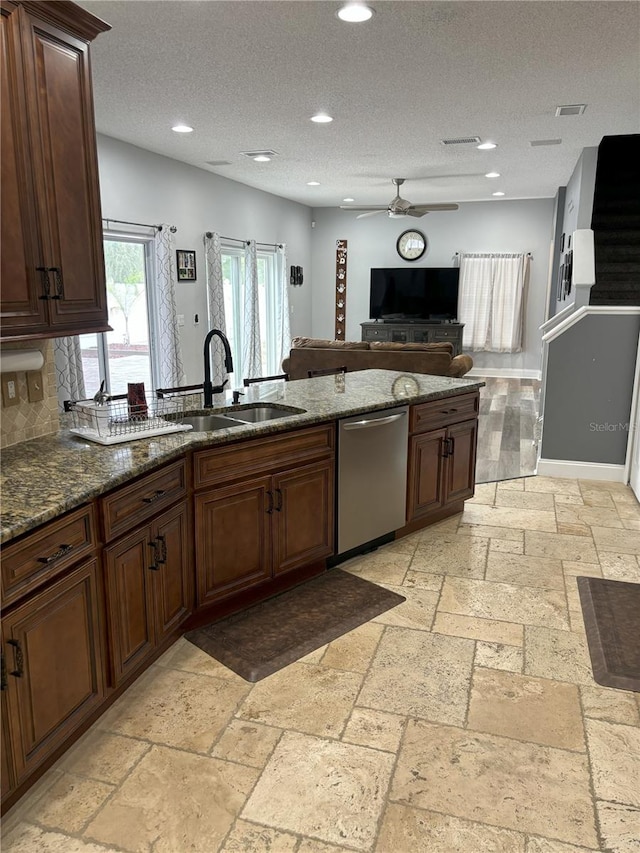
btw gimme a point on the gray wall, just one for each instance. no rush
(589, 387)
(578, 206)
(494, 226)
(141, 186)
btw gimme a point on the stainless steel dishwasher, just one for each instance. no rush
(372, 475)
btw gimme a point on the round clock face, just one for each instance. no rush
(411, 245)
(404, 386)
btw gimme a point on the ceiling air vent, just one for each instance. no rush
(266, 153)
(218, 162)
(536, 142)
(462, 140)
(570, 110)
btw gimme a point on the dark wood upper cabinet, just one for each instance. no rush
(53, 280)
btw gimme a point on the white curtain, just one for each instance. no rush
(215, 300)
(164, 317)
(69, 373)
(283, 330)
(251, 340)
(491, 302)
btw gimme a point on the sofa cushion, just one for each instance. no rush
(320, 343)
(444, 346)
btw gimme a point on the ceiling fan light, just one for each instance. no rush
(355, 13)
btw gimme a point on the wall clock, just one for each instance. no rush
(411, 245)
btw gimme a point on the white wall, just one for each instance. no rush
(500, 226)
(141, 186)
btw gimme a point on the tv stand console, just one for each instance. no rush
(414, 333)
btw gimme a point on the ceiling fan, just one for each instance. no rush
(398, 207)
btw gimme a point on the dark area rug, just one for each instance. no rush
(270, 635)
(611, 611)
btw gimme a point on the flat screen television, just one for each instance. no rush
(414, 294)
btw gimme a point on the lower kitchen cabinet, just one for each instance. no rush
(262, 527)
(53, 652)
(149, 588)
(442, 461)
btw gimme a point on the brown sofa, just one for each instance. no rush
(316, 354)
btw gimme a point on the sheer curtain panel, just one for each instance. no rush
(283, 330)
(491, 300)
(251, 343)
(164, 319)
(215, 297)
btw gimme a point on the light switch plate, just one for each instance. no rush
(34, 386)
(10, 393)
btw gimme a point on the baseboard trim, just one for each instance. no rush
(504, 373)
(581, 470)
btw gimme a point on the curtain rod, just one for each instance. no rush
(246, 242)
(528, 254)
(172, 228)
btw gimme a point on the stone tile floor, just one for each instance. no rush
(462, 721)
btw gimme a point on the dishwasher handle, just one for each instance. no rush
(373, 422)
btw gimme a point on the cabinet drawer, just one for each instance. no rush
(449, 410)
(47, 552)
(376, 335)
(125, 508)
(262, 455)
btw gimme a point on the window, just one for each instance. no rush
(125, 354)
(233, 288)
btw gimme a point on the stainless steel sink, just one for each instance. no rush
(208, 423)
(259, 413)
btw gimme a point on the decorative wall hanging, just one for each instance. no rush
(186, 263)
(341, 289)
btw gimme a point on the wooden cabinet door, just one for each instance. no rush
(303, 520)
(461, 462)
(60, 110)
(22, 284)
(173, 576)
(6, 758)
(233, 539)
(53, 651)
(426, 472)
(129, 565)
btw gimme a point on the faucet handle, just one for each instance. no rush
(217, 389)
(236, 396)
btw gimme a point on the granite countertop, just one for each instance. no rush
(48, 476)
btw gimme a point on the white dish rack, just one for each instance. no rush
(117, 420)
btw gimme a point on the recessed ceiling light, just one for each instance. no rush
(313, 183)
(262, 158)
(348, 199)
(182, 128)
(492, 175)
(355, 13)
(497, 193)
(485, 146)
(321, 118)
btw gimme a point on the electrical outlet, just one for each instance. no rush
(10, 395)
(34, 386)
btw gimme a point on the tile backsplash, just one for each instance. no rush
(26, 420)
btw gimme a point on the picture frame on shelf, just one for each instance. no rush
(186, 264)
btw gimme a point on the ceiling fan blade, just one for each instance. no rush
(419, 211)
(370, 213)
(428, 208)
(363, 207)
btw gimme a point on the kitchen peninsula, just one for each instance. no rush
(111, 552)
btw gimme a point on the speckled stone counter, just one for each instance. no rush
(48, 476)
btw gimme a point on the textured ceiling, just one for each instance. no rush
(248, 75)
